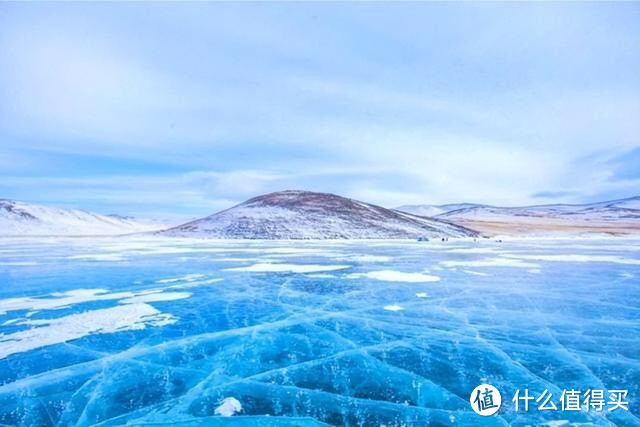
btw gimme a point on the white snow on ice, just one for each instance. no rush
(475, 273)
(18, 263)
(473, 251)
(98, 257)
(228, 407)
(103, 321)
(576, 258)
(194, 284)
(368, 258)
(490, 262)
(59, 300)
(395, 276)
(185, 278)
(288, 268)
(156, 297)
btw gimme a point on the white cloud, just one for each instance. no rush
(223, 102)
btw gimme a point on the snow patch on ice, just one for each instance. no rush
(228, 407)
(576, 258)
(422, 295)
(195, 284)
(368, 258)
(393, 308)
(490, 262)
(60, 300)
(395, 276)
(288, 268)
(98, 257)
(472, 251)
(18, 263)
(185, 278)
(321, 276)
(475, 273)
(555, 423)
(293, 251)
(156, 297)
(103, 321)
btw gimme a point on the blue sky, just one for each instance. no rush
(181, 109)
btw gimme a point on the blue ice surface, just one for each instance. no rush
(318, 348)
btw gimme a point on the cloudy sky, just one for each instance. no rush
(166, 109)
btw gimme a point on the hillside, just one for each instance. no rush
(611, 217)
(25, 219)
(308, 215)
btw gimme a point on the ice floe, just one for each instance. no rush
(393, 307)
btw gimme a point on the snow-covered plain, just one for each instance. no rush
(162, 330)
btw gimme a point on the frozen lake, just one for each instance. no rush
(142, 330)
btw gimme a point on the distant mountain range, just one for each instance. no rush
(613, 217)
(308, 215)
(25, 219)
(434, 210)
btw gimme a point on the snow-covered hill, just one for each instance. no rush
(614, 217)
(611, 211)
(308, 215)
(433, 210)
(25, 219)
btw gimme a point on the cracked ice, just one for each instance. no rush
(312, 333)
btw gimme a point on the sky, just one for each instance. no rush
(182, 109)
